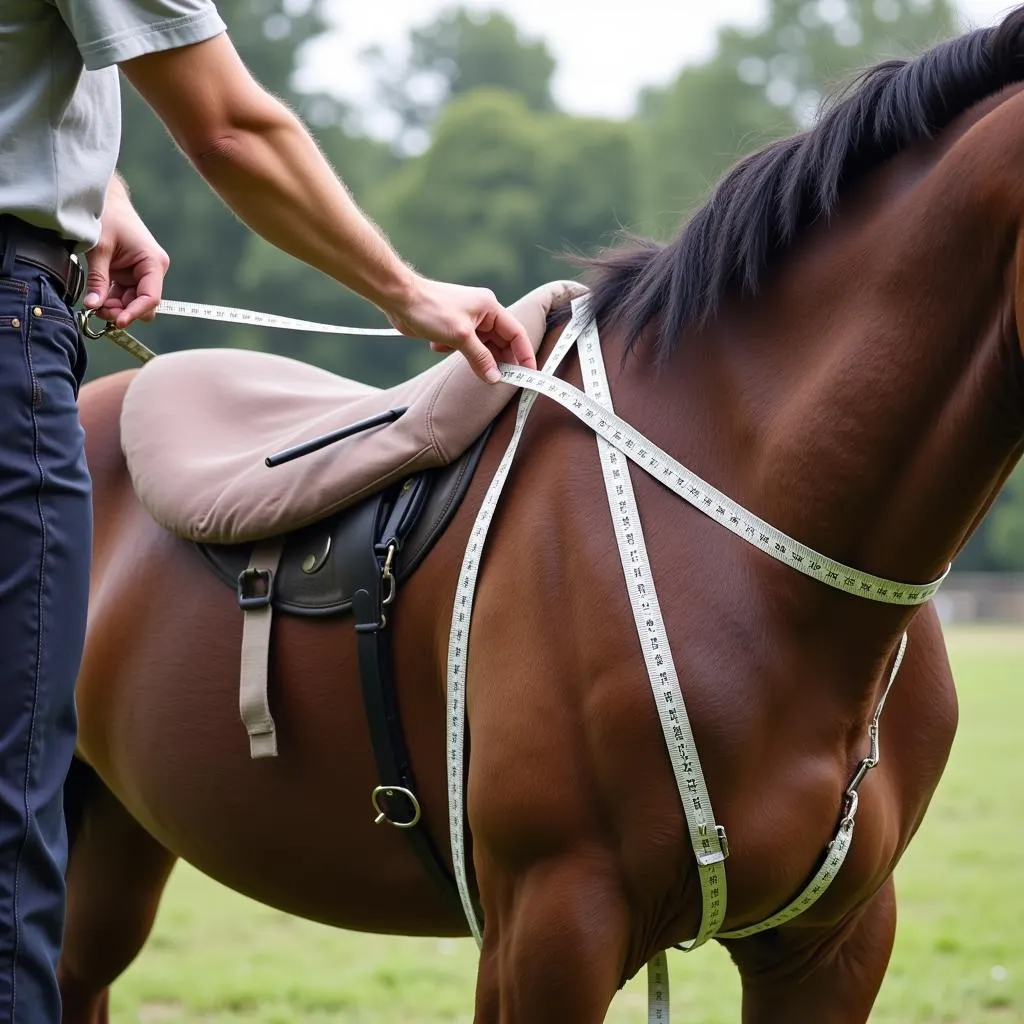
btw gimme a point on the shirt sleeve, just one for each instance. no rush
(110, 31)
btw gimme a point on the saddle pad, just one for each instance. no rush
(197, 425)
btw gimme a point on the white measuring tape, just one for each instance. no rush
(229, 314)
(712, 502)
(458, 641)
(707, 839)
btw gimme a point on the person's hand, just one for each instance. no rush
(126, 266)
(455, 318)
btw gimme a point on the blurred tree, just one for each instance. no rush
(502, 192)
(458, 52)
(767, 83)
(810, 47)
(692, 131)
(1004, 526)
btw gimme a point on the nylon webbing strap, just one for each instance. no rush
(253, 700)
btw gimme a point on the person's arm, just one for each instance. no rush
(258, 157)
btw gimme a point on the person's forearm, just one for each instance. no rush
(272, 175)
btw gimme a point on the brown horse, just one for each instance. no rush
(835, 342)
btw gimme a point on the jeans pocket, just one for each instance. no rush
(54, 354)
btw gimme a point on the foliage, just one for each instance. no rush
(486, 182)
(1005, 532)
(767, 83)
(455, 54)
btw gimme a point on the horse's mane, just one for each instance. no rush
(759, 207)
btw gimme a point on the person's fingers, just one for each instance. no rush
(110, 310)
(436, 346)
(511, 334)
(481, 359)
(149, 273)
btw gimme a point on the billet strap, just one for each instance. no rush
(368, 573)
(257, 609)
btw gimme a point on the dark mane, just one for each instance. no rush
(759, 207)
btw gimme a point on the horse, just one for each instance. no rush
(834, 340)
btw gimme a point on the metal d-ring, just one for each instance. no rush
(391, 791)
(83, 323)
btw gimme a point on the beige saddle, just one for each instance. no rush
(198, 425)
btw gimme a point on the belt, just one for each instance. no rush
(47, 252)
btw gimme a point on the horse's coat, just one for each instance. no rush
(866, 397)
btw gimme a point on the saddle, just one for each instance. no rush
(311, 494)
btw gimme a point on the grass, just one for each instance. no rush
(217, 958)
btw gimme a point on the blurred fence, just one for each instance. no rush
(982, 597)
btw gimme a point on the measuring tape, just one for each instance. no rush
(230, 314)
(839, 847)
(707, 839)
(458, 640)
(225, 314)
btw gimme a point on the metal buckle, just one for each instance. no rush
(246, 579)
(387, 577)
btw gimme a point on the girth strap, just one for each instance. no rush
(379, 531)
(255, 596)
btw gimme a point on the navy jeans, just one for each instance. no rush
(45, 553)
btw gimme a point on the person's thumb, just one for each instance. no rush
(97, 284)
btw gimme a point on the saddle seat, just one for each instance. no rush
(198, 425)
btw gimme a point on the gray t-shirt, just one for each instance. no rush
(60, 101)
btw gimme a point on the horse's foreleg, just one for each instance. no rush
(554, 944)
(116, 875)
(828, 978)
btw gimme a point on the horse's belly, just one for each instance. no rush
(159, 721)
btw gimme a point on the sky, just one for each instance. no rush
(604, 59)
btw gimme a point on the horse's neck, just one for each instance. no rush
(923, 402)
(875, 391)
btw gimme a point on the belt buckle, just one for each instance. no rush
(76, 280)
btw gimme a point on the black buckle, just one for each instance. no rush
(248, 597)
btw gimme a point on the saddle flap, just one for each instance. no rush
(311, 577)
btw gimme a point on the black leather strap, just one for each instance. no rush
(45, 250)
(376, 669)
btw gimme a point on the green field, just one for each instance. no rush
(216, 958)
